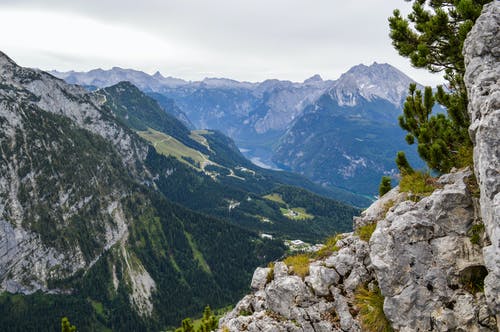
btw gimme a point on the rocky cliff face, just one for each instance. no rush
(482, 78)
(61, 181)
(420, 256)
(430, 258)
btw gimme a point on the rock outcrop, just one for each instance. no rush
(430, 258)
(322, 301)
(420, 255)
(482, 78)
(426, 266)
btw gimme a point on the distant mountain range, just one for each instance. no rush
(341, 133)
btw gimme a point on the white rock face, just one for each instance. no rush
(27, 263)
(259, 278)
(22, 251)
(482, 78)
(74, 102)
(423, 260)
(140, 281)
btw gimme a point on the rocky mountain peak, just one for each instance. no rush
(4, 59)
(375, 81)
(314, 79)
(158, 75)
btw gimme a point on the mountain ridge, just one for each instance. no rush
(262, 117)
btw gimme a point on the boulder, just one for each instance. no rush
(259, 278)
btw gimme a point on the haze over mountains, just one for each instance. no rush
(327, 130)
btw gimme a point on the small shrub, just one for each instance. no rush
(472, 186)
(270, 274)
(365, 232)
(371, 310)
(299, 264)
(329, 247)
(420, 184)
(475, 233)
(385, 186)
(472, 278)
(245, 313)
(464, 156)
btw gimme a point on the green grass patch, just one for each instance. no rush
(299, 264)
(365, 232)
(296, 213)
(197, 254)
(98, 307)
(329, 247)
(371, 310)
(419, 184)
(275, 198)
(473, 186)
(169, 146)
(475, 233)
(197, 135)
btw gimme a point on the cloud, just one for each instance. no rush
(250, 40)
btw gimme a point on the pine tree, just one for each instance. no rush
(208, 321)
(403, 164)
(385, 185)
(432, 37)
(187, 325)
(66, 325)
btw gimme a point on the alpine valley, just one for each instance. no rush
(111, 209)
(137, 202)
(341, 133)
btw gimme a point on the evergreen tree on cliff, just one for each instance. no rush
(432, 37)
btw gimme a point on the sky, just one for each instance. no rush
(250, 40)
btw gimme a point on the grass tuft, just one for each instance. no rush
(475, 233)
(270, 274)
(472, 186)
(371, 310)
(387, 206)
(365, 232)
(329, 247)
(419, 184)
(299, 264)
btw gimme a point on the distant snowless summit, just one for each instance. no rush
(101, 78)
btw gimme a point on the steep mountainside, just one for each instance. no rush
(350, 136)
(427, 263)
(216, 178)
(83, 229)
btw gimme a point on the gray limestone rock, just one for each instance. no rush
(283, 294)
(321, 278)
(280, 270)
(421, 254)
(482, 79)
(259, 278)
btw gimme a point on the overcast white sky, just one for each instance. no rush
(241, 39)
